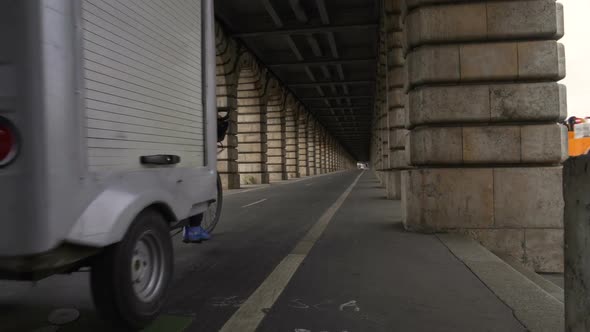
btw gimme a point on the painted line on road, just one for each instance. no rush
(252, 312)
(257, 202)
(309, 184)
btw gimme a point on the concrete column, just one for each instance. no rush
(276, 163)
(311, 145)
(252, 126)
(483, 109)
(302, 143)
(291, 141)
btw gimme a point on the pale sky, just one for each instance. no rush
(577, 54)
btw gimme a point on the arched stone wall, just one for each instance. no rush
(252, 121)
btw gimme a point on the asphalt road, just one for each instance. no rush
(364, 273)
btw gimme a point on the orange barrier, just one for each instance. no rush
(577, 146)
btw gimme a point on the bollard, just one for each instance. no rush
(576, 191)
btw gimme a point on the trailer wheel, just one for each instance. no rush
(213, 213)
(129, 280)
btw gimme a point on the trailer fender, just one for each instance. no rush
(108, 217)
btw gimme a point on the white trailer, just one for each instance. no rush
(107, 142)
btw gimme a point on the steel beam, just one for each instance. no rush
(305, 31)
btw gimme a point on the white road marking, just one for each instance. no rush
(251, 313)
(309, 184)
(257, 202)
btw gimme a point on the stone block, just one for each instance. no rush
(226, 166)
(447, 198)
(398, 160)
(228, 154)
(541, 60)
(493, 144)
(275, 159)
(250, 118)
(544, 143)
(252, 158)
(434, 64)
(435, 146)
(254, 178)
(252, 168)
(251, 148)
(250, 138)
(393, 185)
(492, 61)
(395, 39)
(396, 118)
(396, 77)
(449, 104)
(529, 101)
(230, 181)
(544, 250)
(396, 57)
(251, 128)
(509, 242)
(528, 197)
(275, 168)
(396, 98)
(397, 138)
(447, 23)
(274, 177)
(525, 19)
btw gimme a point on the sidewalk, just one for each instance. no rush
(367, 274)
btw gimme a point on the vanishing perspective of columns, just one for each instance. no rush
(483, 108)
(271, 134)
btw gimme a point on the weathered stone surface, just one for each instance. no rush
(494, 144)
(541, 60)
(230, 181)
(432, 64)
(445, 198)
(449, 104)
(520, 19)
(251, 138)
(396, 118)
(397, 77)
(396, 98)
(226, 154)
(435, 146)
(251, 148)
(532, 101)
(447, 23)
(529, 197)
(493, 61)
(254, 178)
(503, 241)
(398, 160)
(397, 138)
(544, 143)
(544, 249)
(225, 166)
(393, 185)
(252, 168)
(251, 128)
(252, 158)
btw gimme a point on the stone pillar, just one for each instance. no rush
(396, 98)
(311, 145)
(227, 160)
(302, 143)
(252, 124)
(483, 109)
(319, 133)
(291, 141)
(276, 138)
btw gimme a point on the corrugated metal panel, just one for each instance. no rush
(142, 70)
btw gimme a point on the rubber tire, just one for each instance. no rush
(211, 227)
(110, 276)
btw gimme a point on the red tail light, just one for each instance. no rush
(8, 142)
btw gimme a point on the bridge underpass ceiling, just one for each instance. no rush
(324, 51)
